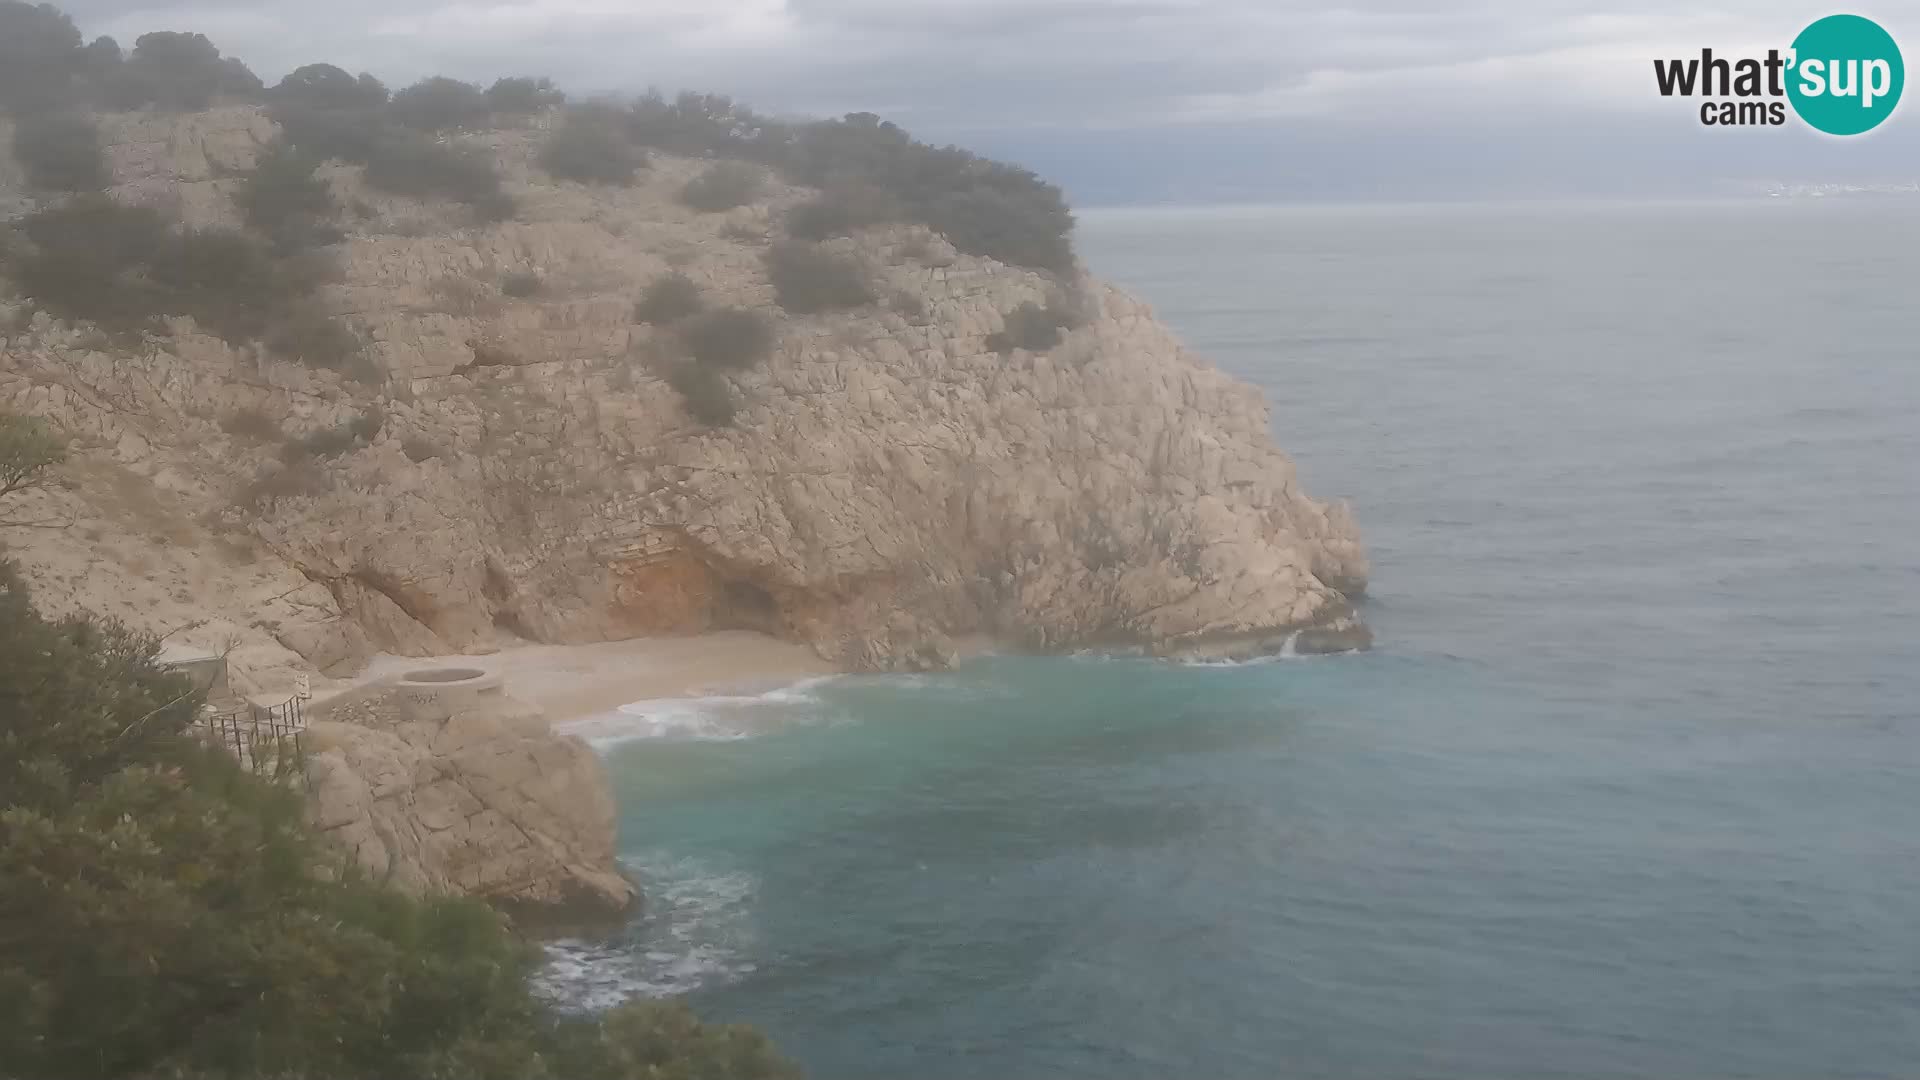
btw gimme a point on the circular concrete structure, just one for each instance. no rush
(434, 693)
(444, 676)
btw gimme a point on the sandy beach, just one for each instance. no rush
(572, 681)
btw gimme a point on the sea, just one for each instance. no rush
(1629, 787)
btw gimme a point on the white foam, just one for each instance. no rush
(1288, 651)
(697, 930)
(711, 718)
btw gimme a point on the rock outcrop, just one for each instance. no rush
(466, 792)
(891, 480)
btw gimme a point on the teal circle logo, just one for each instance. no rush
(1846, 75)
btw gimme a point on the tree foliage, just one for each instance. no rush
(591, 149)
(729, 338)
(808, 278)
(60, 152)
(179, 72)
(523, 94)
(328, 87)
(705, 393)
(723, 186)
(165, 913)
(284, 201)
(1035, 327)
(39, 55)
(439, 103)
(667, 298)
(28, 450)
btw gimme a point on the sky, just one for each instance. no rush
(1145, 100)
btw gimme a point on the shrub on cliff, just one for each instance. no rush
(841, 209)
(1034, 327)
(667, 298)
(88, 259)
(61, 152)
(179, 72)
(728, 338)
(705, 393)
(323, 112)
(170, 914)
(723, 186)
(425, 170)
(808, 278)
(39, 52)
(983, 207)
(328, 87)
(591, 149)
(702, 125)
(307, 335)
(121, 267)
(29, 449)
(439, 103)
(523, 94)
(287, 203)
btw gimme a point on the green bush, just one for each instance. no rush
(983, 207)
(61, 152)
(809, 279)
(667, 298)
(909, 304)
(423, 170)
(121, 267)
(327, 87)
(705, 393)
(89, 260)
(171, 914)
(728, 338)
(39, 54)
(841, 209)
(439, 103)
(308, 336)
(287, 203)
(523, 94)
(29, 449)
(723, 186)
(179, 73)
(328, 132)
(1033, 327)
(591, 149)
(700, 125)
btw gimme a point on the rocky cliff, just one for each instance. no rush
(465, 790)
(890, 481)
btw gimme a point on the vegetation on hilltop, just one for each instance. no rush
(125, 268)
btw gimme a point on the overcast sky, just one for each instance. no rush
(1241, 98)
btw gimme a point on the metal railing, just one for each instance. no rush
(265, 738)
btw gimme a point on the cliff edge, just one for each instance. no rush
(894, 475)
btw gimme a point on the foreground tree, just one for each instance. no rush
(165, 913)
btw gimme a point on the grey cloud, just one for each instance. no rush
(1358, 69)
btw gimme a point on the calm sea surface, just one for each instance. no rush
(1630, 788)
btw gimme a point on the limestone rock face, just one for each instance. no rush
(476, 797)
(890, 482)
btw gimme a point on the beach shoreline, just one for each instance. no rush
(571, 682)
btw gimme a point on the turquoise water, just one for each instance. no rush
(1629, 788)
